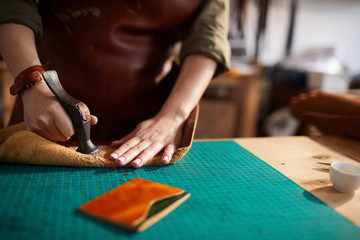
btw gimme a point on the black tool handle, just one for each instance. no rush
(77, 110)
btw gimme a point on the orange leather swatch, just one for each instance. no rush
(128, 205)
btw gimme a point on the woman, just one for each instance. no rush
(119, 58)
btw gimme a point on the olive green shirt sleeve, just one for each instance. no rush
(209, 34)
(24, 12)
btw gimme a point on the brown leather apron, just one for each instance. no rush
(108, 54)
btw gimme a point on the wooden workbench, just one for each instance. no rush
(299, 159)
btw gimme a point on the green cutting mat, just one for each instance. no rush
(235, 195)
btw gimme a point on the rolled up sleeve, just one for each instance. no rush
(24, 12)
(209, 34)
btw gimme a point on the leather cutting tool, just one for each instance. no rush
(77, 110)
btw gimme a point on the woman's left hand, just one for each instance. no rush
(148, 139)
(164, 131)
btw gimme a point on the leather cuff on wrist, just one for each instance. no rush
(27, 78)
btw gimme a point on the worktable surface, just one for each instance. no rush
(234, 194)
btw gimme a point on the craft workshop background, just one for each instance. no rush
(280, 48)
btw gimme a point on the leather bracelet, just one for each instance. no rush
(27, 78)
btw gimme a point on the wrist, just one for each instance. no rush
(38, 89)
(176, 114)
(27, 78)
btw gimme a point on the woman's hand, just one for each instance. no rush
(164, 131)
(147, 140)
(44, 115)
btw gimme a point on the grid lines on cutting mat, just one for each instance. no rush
(234, 195)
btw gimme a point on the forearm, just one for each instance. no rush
(48, 119)
(17, 47)
(195, 75)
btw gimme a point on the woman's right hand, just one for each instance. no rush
(44, 115)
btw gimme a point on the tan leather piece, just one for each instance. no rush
(22, 146)
(5, 133)
(128, 204)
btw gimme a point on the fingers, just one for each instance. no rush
(118, 143)
(134, 152)
(93, 120)
(47, 128)
(137, 155)
(168, 153)
(58, 123)
(146, 155)
(140, 153)
(64, 126)
(62, 133)
(40, 131)
(47, 117)
(116, 155)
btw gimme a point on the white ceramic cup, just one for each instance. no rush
(345, 176)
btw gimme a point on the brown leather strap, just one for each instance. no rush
(27, 78)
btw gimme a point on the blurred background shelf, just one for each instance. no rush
(229, 107)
